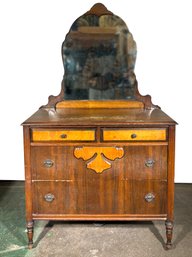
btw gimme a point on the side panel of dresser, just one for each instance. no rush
(28, 185)
(170, 192)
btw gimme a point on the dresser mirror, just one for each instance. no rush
(99, 57)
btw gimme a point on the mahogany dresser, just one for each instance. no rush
(99, 150)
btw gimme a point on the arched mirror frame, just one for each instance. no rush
(139, 101)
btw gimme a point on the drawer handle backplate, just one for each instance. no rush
(49, 197)
(48, 163)
(133, 136)
(149, 197)
(63, 136)
(149, 163)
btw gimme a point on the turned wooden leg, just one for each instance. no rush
(169, 233)
(30, 234)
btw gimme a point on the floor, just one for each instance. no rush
(88, 239)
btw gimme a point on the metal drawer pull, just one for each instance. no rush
(149, 163)
(149, 197)
(63, 136)
(133, 136)
(48, 163)
(49, 197)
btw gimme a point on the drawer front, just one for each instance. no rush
(53, 197)
(78, 197)
(54, 163)
(134, 134)
(63, 135)
(145, 162)
(145, 197)
(138, 162)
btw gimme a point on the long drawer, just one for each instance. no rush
(59, 163)
(94, 197)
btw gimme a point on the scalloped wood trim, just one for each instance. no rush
(98, 157)
(53, 100)
(142, 102)
(146, 99)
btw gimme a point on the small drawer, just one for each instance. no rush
(63, 135)
(134, 134)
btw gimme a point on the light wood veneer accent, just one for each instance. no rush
(134, 134)
(100, 104)
(100, 162)
(63, 135)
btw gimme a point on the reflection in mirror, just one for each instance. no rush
(99, 56)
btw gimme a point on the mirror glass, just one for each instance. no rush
(99, 55)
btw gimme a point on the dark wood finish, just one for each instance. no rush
(98, 9)
(124, 177)
(53, 100)
(102, 217)
(105, 117)
(146, 99)
(133, 164)
(146, 167)
(114, 196)
(121, 190)
(169, 233)
(170, 192)
(30, 225)
(28, 185)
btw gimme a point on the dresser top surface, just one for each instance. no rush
(92, 117)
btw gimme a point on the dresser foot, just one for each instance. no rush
(30, 234)
(169, 233)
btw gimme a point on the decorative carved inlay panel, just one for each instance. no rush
(98, 157)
